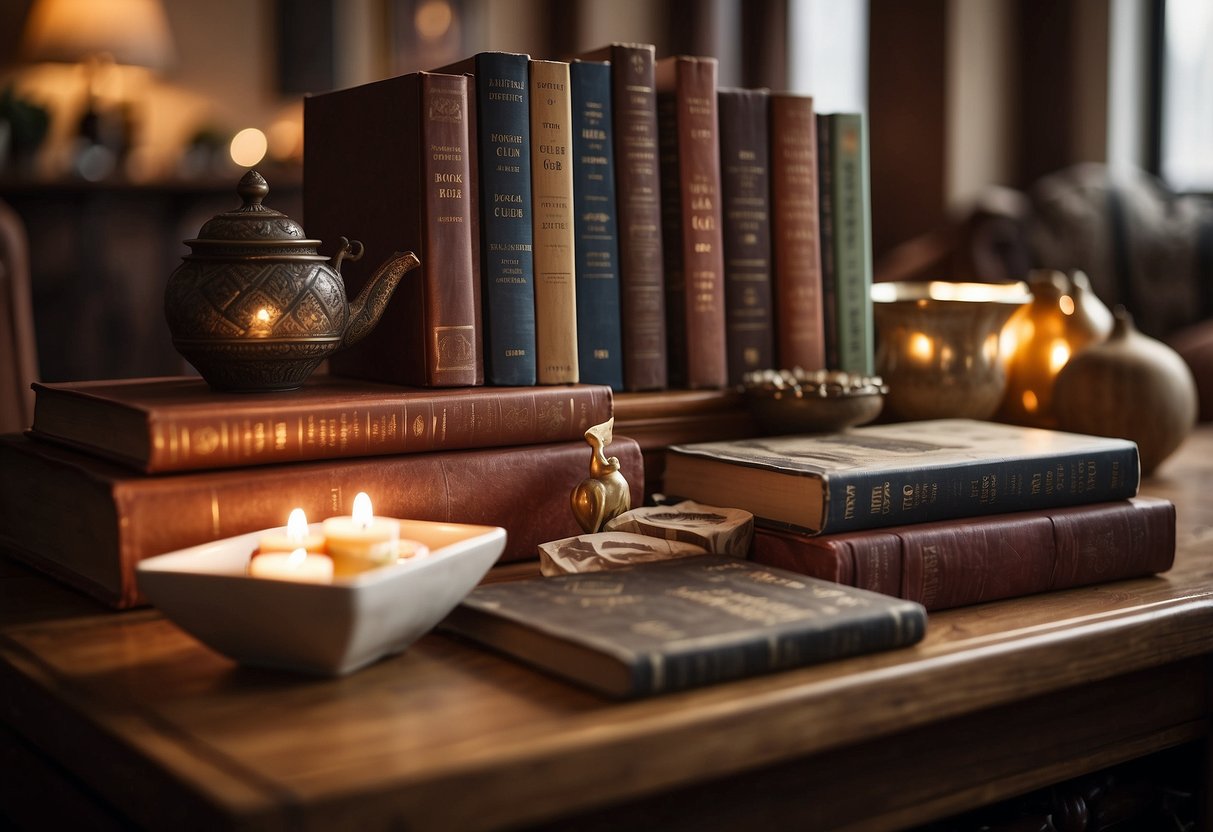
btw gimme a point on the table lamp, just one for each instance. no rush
(101, 35)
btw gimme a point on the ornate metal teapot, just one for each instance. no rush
(254, 307)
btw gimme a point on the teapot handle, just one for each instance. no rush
(350, 250)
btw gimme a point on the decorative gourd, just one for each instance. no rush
(1131, 386)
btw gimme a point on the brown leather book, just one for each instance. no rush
(391, 164)
(88, 522)
(796, 233)
(552, 223)
(746, 209)
(638, 196)
(691, 221)
(178, 423)
(960, 562)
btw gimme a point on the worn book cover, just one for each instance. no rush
(391, 164)
(638, 196)
(177, 423)
(671, 625)
(953, 563)
(89, 522)
(911, 472)
(745, 199)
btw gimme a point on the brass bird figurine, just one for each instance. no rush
(605, 493)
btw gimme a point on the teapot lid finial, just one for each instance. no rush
(252, 189)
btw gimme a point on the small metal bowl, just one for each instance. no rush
(797, 401)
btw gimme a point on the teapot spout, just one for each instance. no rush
(367, 308)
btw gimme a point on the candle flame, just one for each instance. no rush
(296, 525)
(362, 509)
(263, 315)
(296, 558)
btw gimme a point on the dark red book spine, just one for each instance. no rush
(955, 563)
(691, 222)
(89, 522)
(796, 234)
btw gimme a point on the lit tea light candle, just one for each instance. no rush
(361, 540)
(295, 536)
(299, 565)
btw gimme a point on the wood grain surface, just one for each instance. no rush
(150, 723)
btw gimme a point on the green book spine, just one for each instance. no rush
(852, 242)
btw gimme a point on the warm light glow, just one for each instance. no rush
(248, 147)
(433, 19)
(920, 347)
(989, 347)
(133, 32)
(296, 558)
(1059, 354)
(362, 513)
(263, 315)
(1066, 304)
(1030, 402)
(286, 139)
(296, 525)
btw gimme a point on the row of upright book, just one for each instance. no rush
(614, 219)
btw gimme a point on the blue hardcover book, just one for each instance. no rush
(599, 321)
(507, 264)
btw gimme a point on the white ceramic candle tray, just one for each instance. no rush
(327, 629)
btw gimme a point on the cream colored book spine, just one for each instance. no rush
(552, 209)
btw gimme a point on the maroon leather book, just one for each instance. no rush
(88, 521)
(746, 208)
(691, 221)
(178, 423)
(391, 164)
(960, 562)
(796, 234)
(638, 197)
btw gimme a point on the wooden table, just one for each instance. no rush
(114, 717)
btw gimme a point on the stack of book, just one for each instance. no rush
(945, 513)
(614, 219)
(112, 472)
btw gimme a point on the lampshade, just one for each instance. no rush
(132, 32)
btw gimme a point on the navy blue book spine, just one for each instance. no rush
(876, 499)
(508, 273)
(599, 320)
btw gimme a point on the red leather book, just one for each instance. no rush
(691, 221)
(638, 195)
(391, 164)
(745, 186)
(796, 237)
(88, 522)
(158, 425)
(960, 562)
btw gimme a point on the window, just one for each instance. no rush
(1186, 128)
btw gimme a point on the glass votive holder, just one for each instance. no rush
(939, 346)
